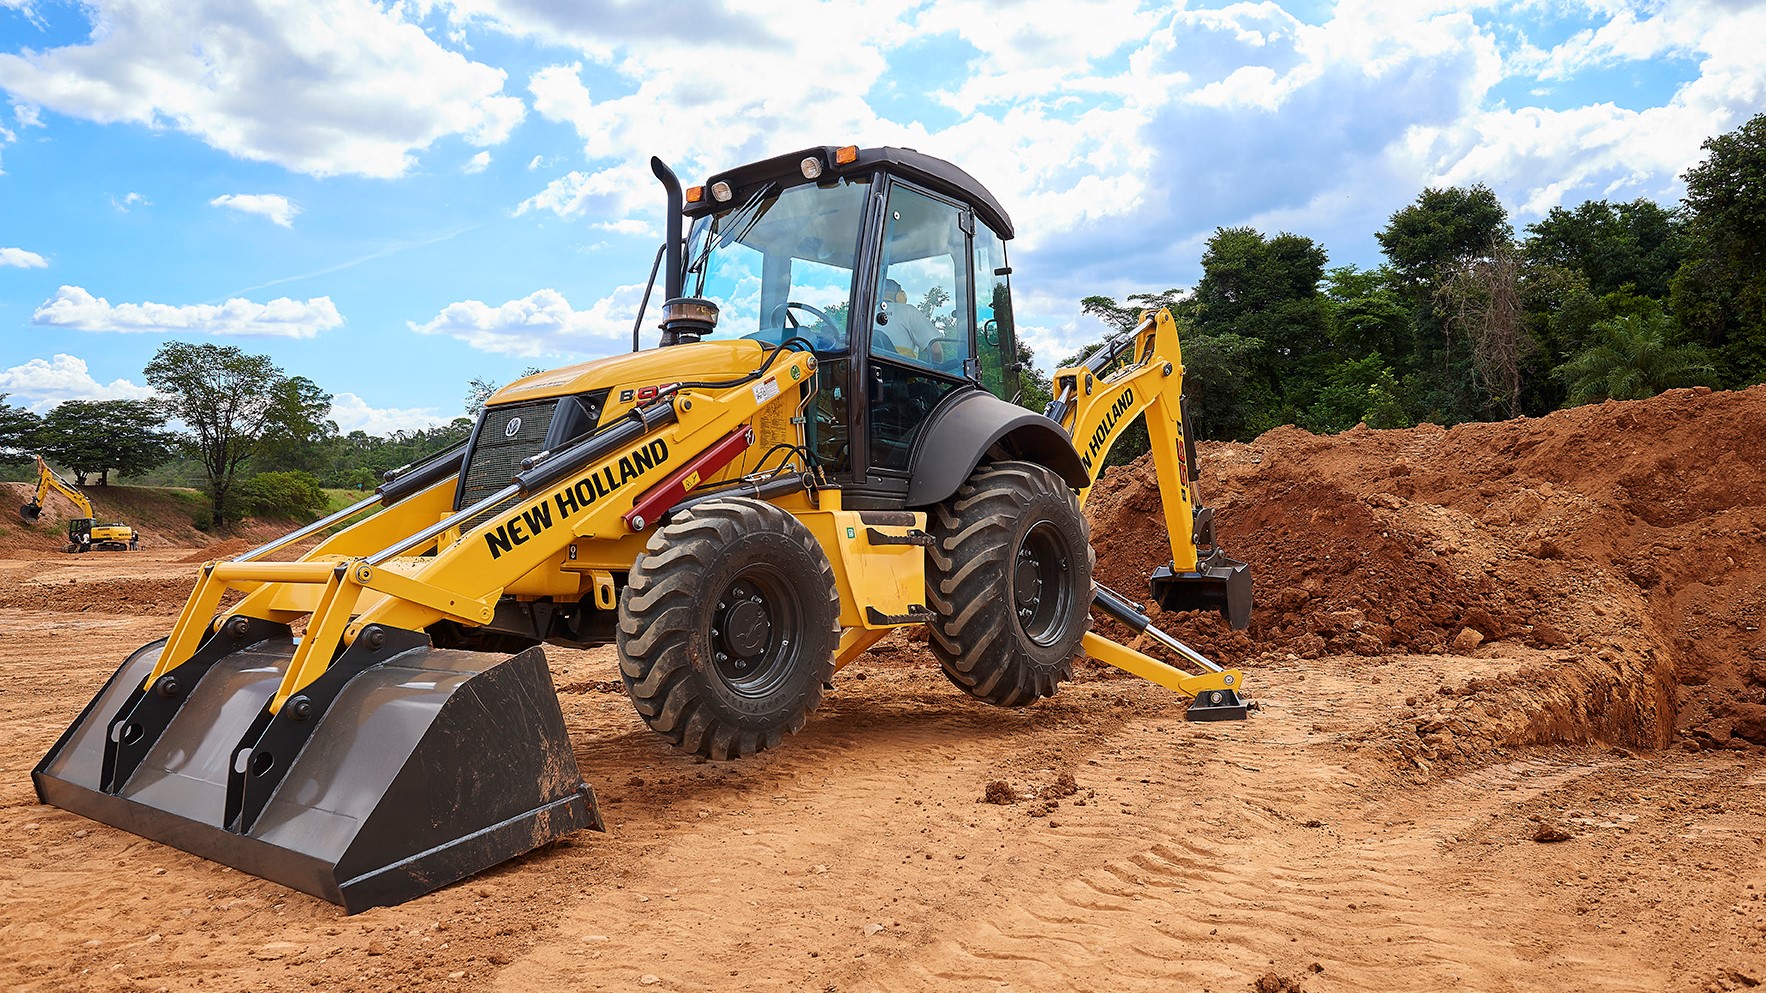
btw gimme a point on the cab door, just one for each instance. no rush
(921, 325)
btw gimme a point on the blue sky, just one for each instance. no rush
(393, 198)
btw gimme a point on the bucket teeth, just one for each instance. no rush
(414, 767)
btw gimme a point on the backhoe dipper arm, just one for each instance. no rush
(1142, 373)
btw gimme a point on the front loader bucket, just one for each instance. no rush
(1219, 583)
(424, 768)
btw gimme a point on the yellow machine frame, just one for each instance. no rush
(418, 562)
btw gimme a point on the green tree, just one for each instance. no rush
(295, 495)
(1634, 357)
(17, 427)
(229, 403)
(302, 440)
(96, 436)
(1719, 293)
(1442, 228)
(1638, 244)
(1369, 311)
(1358, 391)
(1258, 303)
(1442, 235)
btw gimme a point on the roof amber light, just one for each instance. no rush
(720, 191)
(695, 194)
(811, 166)
(846, 156)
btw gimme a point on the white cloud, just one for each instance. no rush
(42, 383)
(127, 200)
(19, 258)
(326, 87)
(477, 164)
(631, 226)
(537, 161)
(352, 413)
(28, 116)
(279, 209)
(75, 309)
(543, 323)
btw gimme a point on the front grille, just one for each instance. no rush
(497, 455)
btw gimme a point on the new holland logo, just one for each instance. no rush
(577, 497)
(514, 426)
(1102, 435)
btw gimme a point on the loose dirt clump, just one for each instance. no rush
(1000, 792)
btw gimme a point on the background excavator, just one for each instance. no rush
(801, 468)
(84, 534)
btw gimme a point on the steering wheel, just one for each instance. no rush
(783, 313)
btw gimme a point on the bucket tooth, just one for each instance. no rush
(425, 768)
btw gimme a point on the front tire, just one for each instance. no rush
(727, 628)
(1009, 579)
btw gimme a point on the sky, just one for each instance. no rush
(394, 198)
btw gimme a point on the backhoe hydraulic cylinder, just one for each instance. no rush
(1126, 611)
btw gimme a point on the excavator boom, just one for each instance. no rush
(83, 533)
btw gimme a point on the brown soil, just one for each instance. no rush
(162, 515)
(1565, 799)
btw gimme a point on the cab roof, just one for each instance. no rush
(933, 173)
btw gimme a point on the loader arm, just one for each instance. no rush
(386, 573)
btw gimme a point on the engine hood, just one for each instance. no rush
(636, 372)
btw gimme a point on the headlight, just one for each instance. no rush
(720, 191)
(812, 167)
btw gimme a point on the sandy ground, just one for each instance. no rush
(1288, 852)
(1514, 691)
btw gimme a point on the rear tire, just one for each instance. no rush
(727, 628)
(1009, 579)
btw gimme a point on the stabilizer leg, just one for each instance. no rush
(1214, 694)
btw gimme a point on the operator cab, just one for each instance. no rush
(890, 264)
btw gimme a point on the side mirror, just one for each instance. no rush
(990, 332)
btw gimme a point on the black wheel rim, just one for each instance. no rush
(755, 625)
(1042, 597)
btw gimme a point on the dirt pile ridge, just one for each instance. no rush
(1619, 549)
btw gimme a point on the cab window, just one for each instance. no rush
(779, 264)
(996, 349)
(922, 313)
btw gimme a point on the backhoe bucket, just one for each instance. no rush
(30, 512)
(1219, 583)
(409, 772)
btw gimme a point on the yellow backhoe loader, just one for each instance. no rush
(83, 533)
(823, 450)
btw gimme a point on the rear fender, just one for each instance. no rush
(970, 424)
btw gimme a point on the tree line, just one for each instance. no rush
(256, 439)
(1466, 321)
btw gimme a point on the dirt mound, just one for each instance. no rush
(1626, 535)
